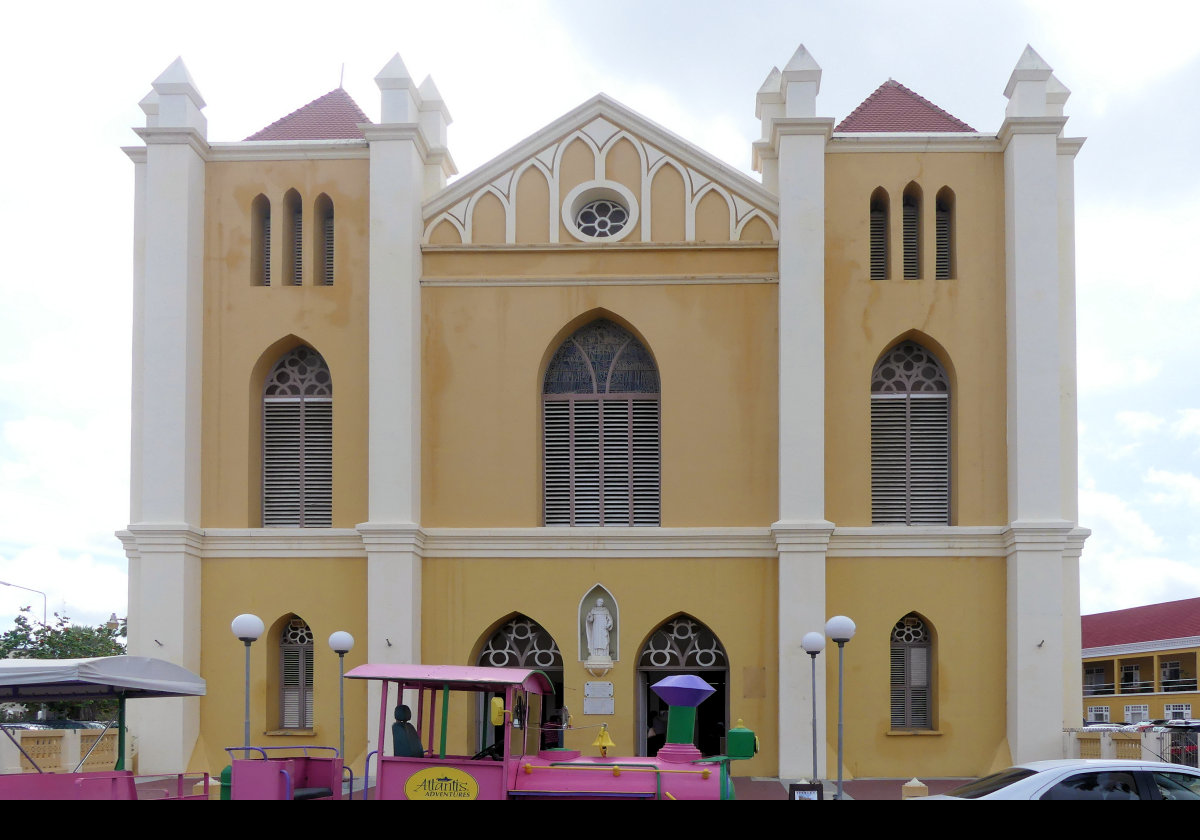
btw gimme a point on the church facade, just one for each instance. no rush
(610, 408)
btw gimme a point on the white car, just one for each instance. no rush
(1075, 779)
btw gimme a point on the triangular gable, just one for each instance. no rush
(334, 116)
(601, 123)
(893, 107)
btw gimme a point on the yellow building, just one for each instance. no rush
(1139, 664)
(606, 381)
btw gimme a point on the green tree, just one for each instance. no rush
(63, 640)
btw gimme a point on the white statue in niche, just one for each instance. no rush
(599, 623)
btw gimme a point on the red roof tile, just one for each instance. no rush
(334, 116)
(1172, 620)
(893, 107)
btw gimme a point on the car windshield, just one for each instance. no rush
(989, 784)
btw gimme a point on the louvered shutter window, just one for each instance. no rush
(879, 235)
(260, 241)
(296, 676)
(297, 247)
(327, 234)
(910, 439)
(942, 220)
(298, 442)
(266, 249)
(601, 430)
(910, 678)
(912, 237)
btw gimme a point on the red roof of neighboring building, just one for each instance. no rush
(1172, 620)
(893, 107)
(334, 116)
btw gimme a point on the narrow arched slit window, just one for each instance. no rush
(600, 432)
(296, 675)
(260, 241)
(298, 442)
(912, 232)
(879, 234)
(944, 267)
(293, 270)
(910, 438)
(912, 674)
(324, 240)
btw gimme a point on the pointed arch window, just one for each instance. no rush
(912, 232)
(522, 642)
(324, 240)
(879, 234)
(944, 267)
(296, 675)
(911, 679)
(293, 270)
(298, 442)
(260, 241)
(600, 430)
(910, 438)
(683, 644)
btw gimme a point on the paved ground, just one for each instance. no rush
(749, 788)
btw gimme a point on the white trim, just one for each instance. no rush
(1159, 645)
(896, 141)
(589, 191)
(582, 247)
(602, 280)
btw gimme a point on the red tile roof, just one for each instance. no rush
(334, 116)
(1172, 620)
(893, 107)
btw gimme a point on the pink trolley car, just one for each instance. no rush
(523, 759)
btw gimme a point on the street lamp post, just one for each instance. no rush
(27, 589)
(341, 643)
(813, 643)
(248, 628)
(841, 630)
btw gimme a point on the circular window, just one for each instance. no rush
(601, 218)
(600, 211)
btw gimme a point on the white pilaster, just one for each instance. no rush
(162, 541)
(797, 140)
(802, 610)
(399, 154)
(768, 107)
(434, 119)
(1042, 580)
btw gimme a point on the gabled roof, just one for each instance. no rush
(1171, 620)
(893, 107)
(334, 116)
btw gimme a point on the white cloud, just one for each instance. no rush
(76, 585)
(1178, 488)
(1138, 423)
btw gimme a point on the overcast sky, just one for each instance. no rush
(73, 74)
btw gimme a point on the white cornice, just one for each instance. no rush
(175, 136)
(290, 150)
(1028, 125)
(918, 541)
(1155, 645)
(733, 543)
(1070, 146)
(604, 280)
(604, 106)
(137, 154)
(905, 141)
(283, 542)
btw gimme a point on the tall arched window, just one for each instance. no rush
(910, 438)
(323, 240)
(912, 680)
(298, 442)
(944, 268)
(296, 675)
(600, 433)
(912, 232)
(260, 241)
(879, 234)
(293, 250)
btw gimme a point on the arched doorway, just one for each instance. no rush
(521, 642)
(683, 645)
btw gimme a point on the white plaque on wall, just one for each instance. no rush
(598, 698)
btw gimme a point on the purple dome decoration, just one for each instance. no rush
(682, 690)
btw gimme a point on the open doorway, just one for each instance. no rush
(683, 645)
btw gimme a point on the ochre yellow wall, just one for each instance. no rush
(960, 320)
(963, 600)
(328, 594)
(464, 600)
(485, 352)
(247, 328)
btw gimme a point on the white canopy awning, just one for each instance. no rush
(51, 680)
